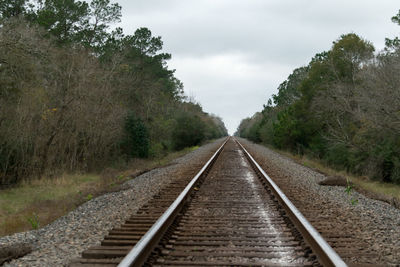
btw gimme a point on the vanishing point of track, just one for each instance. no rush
(230, 214)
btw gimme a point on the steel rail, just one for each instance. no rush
(324, 252)
(139, 253)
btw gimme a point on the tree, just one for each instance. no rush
(12, 8)
(342, 108)
(64, 19)
(62, 99)
(348, 54)
(393, 44)
(68, 20)
(288, 91)
(189, 131)
(101, 15)
(83, 97)
(146, 43)
(336, 106)
(150, 81)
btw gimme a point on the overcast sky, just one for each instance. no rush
(231, 55)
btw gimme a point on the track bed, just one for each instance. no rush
(230, 217)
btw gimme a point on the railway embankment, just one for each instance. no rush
(373, 226)
(363, 231)
(64, 239)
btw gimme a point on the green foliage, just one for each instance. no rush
(341, 108)
(12, 8)
(395, 174)
(34, 221)
(145, 42)
(102, 13)
(189, 131)
(266, 132)
(349, 190)
(393, 44)
(250, 128)
(253, 132)
(215, 127)
(338, 155)
(69, 21)
(68, 79)
(348, 53)
(63, 19)
(286, 130)
(157, 150)
(89, 197)
(288, 91)
(136, 142)
(387, 158)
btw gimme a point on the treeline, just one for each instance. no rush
(76, 95)
(342, 108)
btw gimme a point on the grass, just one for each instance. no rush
(386, 189)
(35, 203)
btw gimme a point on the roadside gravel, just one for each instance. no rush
(372, 226)
(64, 239)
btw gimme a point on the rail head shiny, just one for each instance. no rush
(333, 259)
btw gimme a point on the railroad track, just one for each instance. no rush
(229, 214)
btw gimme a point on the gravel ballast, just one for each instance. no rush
(63, 240)
(373, 226)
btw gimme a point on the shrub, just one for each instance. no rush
(396, 171)
(189, 131)
(136, 140)
(34, 221)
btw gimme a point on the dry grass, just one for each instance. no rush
(364, 183)
(44, 200)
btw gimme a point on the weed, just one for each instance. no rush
(307, 164)
(349, 190)
(193, 148)
(89, 197)
(354, 201)
(34, 221)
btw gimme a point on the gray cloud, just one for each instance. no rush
(233, 54)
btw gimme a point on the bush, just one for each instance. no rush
(158, 150)
(396, 171)
(189, 131)
(136, 140)
(338, 156)
(388, 161)
(266, 132)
